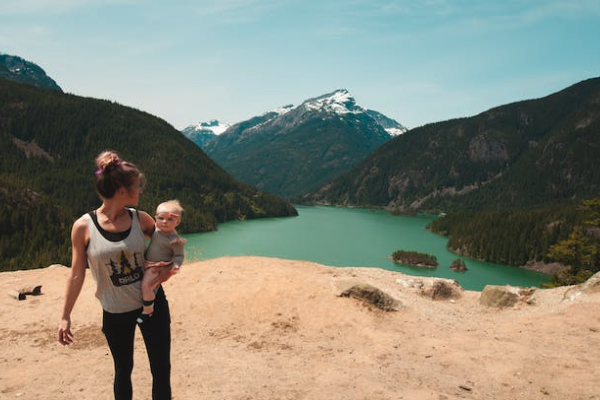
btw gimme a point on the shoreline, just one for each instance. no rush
(544, 268)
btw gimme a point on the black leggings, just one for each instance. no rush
(119, 330)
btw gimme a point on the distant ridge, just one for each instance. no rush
(525, 154)
(291, 151)
(17, 69)
(203, 132)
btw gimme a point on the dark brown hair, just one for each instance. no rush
(113, 174)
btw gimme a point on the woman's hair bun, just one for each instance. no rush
(106, 160)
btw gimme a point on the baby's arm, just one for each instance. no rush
(178, 254)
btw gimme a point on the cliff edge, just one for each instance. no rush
(264, 328)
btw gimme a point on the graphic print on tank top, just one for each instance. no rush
(127, 269)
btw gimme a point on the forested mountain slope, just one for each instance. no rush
(48, 143)
(525, 154)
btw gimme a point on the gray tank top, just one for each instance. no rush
(117, 265)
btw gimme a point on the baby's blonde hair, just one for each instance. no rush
(171, 206)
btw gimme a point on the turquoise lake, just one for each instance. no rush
(350, 237)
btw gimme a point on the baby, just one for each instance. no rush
(166, 247)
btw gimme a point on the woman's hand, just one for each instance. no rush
(159, 264)
(165, 271)
(163, 265)
(65, 336)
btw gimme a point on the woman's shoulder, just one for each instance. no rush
(146, 222)
(83, 220)
(80, 228)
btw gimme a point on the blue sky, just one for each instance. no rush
(415, 61)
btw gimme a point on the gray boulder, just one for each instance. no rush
(373, 296)
(441, 289)
(591, 286)
(505, 296)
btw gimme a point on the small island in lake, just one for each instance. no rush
(414, 258)
(458, 265)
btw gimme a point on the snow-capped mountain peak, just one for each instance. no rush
(396, 131)
(203, 132)
(339, 102)
(284, 110)
(391, 126)
(213, 126)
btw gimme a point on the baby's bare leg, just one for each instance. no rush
(148, 294)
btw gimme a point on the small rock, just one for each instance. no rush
(591, 286)
(458, 265)
(505, 296)
(442, 289)
(410, 283)
(372, 295)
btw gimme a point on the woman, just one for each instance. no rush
(111, 241)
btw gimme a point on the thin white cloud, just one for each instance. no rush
(29, 35)
(518, 13)
(520, 10)
(559, 9)
(466, 17)
(221, 11)
(221, 7)
(207, 14)
(41, 7)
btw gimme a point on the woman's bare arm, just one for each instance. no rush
(79, 240)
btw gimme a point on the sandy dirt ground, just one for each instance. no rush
(253, 328)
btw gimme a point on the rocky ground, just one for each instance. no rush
(263, 328)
